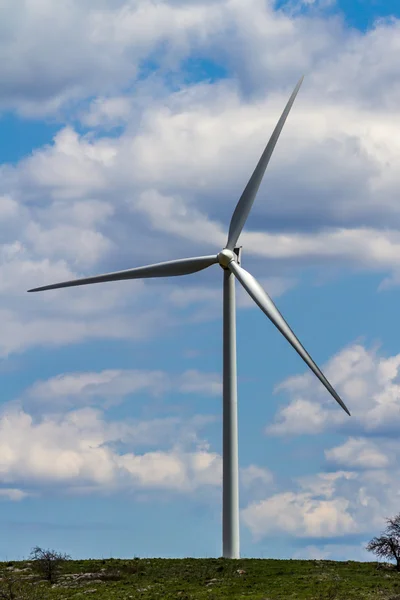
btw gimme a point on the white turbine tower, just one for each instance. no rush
(229, 260)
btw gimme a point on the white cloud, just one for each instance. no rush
(75, 244)
(74, 450)
(56, 55)
(329, 505)
(163, 155)
(72, 166)
(299, 515)
(365, 379)
(69, 446)
(366, 248)
(358, 453)
(167, 185)
(326, 505)
(170, 214)
(102, 383)
(114, 385)
(13, 494)
(254, 473)
(8, 207)
(355, 500)
(175, 471)
(107, 112)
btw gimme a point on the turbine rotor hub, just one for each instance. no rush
(225, 257)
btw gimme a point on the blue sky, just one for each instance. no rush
(128, 133)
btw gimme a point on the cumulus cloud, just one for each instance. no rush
(75, 449)
(359, 489)
(340, 504)
(299, 515)
(161, 152)
(164, 185)
(79, 450)
(107, 112)
(58, 436)
(72, 166)
(53, 57)
(364, 377)
(358, 453)
(174, 471)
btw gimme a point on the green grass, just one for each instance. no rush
(212, 579)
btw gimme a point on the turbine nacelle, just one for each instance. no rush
(225, 257)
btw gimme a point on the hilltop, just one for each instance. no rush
(200, 579)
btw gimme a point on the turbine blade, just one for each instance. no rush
(246, 200)
(172, 268)
(261, 298)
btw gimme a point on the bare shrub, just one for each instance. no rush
(48, 563)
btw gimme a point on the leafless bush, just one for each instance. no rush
(48, 563)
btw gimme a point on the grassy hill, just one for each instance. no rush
(200, 579)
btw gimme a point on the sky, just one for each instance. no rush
(128, 131)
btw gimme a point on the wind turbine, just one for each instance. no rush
(229, 260)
